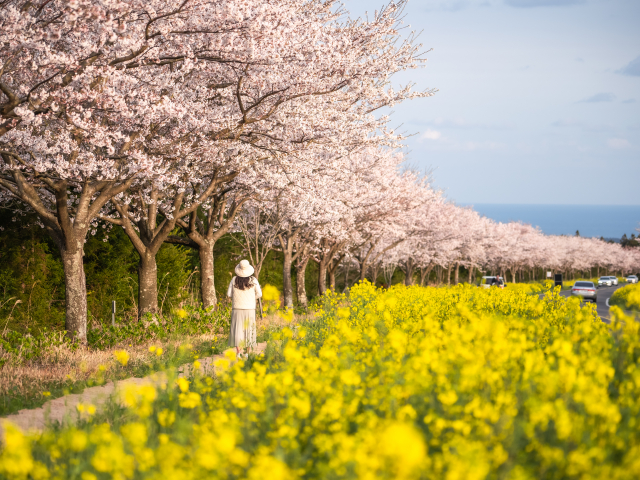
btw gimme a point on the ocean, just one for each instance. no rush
(608, 221)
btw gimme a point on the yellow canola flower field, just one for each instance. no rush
(410, 383)
(627, 297)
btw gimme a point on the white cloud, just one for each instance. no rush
(432, 135)
(618, 143)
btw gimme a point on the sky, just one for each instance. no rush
(538, 101)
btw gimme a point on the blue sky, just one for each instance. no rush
(538, 101)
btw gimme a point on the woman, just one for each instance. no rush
(243, 291)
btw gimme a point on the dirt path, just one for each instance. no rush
(64, 410)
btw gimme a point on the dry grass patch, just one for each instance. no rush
(61, 369)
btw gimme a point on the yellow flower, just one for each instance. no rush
(86, 408)
(182, 313)
(46, 394)
(152, 348)
(189, 400)
(122, 357)
(135, 433)
(403, 383)
(183, 383)
(16, 460)
(166, 417)
(402, 446)
(159, 352)
(277, 469)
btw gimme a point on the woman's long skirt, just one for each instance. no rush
(243, 328)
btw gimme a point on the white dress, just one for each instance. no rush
(243, 314)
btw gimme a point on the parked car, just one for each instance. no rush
(490, 281)
(605, 282)
(631, 279)
(586, 290)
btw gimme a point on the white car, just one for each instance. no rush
(614, 280)
(605, 282)
(631, 279)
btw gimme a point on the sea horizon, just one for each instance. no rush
(608, 221)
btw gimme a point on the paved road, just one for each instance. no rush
(604, 293)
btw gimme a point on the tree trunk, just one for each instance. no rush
(456, 278)
(375, 272)
(322, 277)
(301, 268)
(332, 268)
(347, 267)
(408, 271)
(202, 235)
(332, 279)
(207, 284)
(287, 289)
(424, 275)
(147, 285)
(75, 295)
(449, 274)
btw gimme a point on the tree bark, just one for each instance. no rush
(287, 288)
(449, 274)
(332, 279)
(457, 274)
(301, 291)
(375, 272)
(75, 294)
(409, 268)
(332, 267)
(147, 284)
(322, 277)
(324, 260)
(207, 276)
(287, 241)
(424, 274)
(347, 269)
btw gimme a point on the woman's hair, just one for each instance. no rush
(242, 283)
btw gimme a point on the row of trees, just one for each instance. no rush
(182, 121)
(380, 221)
(161, 114)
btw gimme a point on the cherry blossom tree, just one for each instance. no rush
(102, 95)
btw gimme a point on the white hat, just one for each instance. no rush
(244, 269)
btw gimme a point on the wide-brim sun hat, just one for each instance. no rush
(244, 269)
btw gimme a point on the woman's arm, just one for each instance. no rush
(258, 289)
(230, 289)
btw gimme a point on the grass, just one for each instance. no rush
(61, 370)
